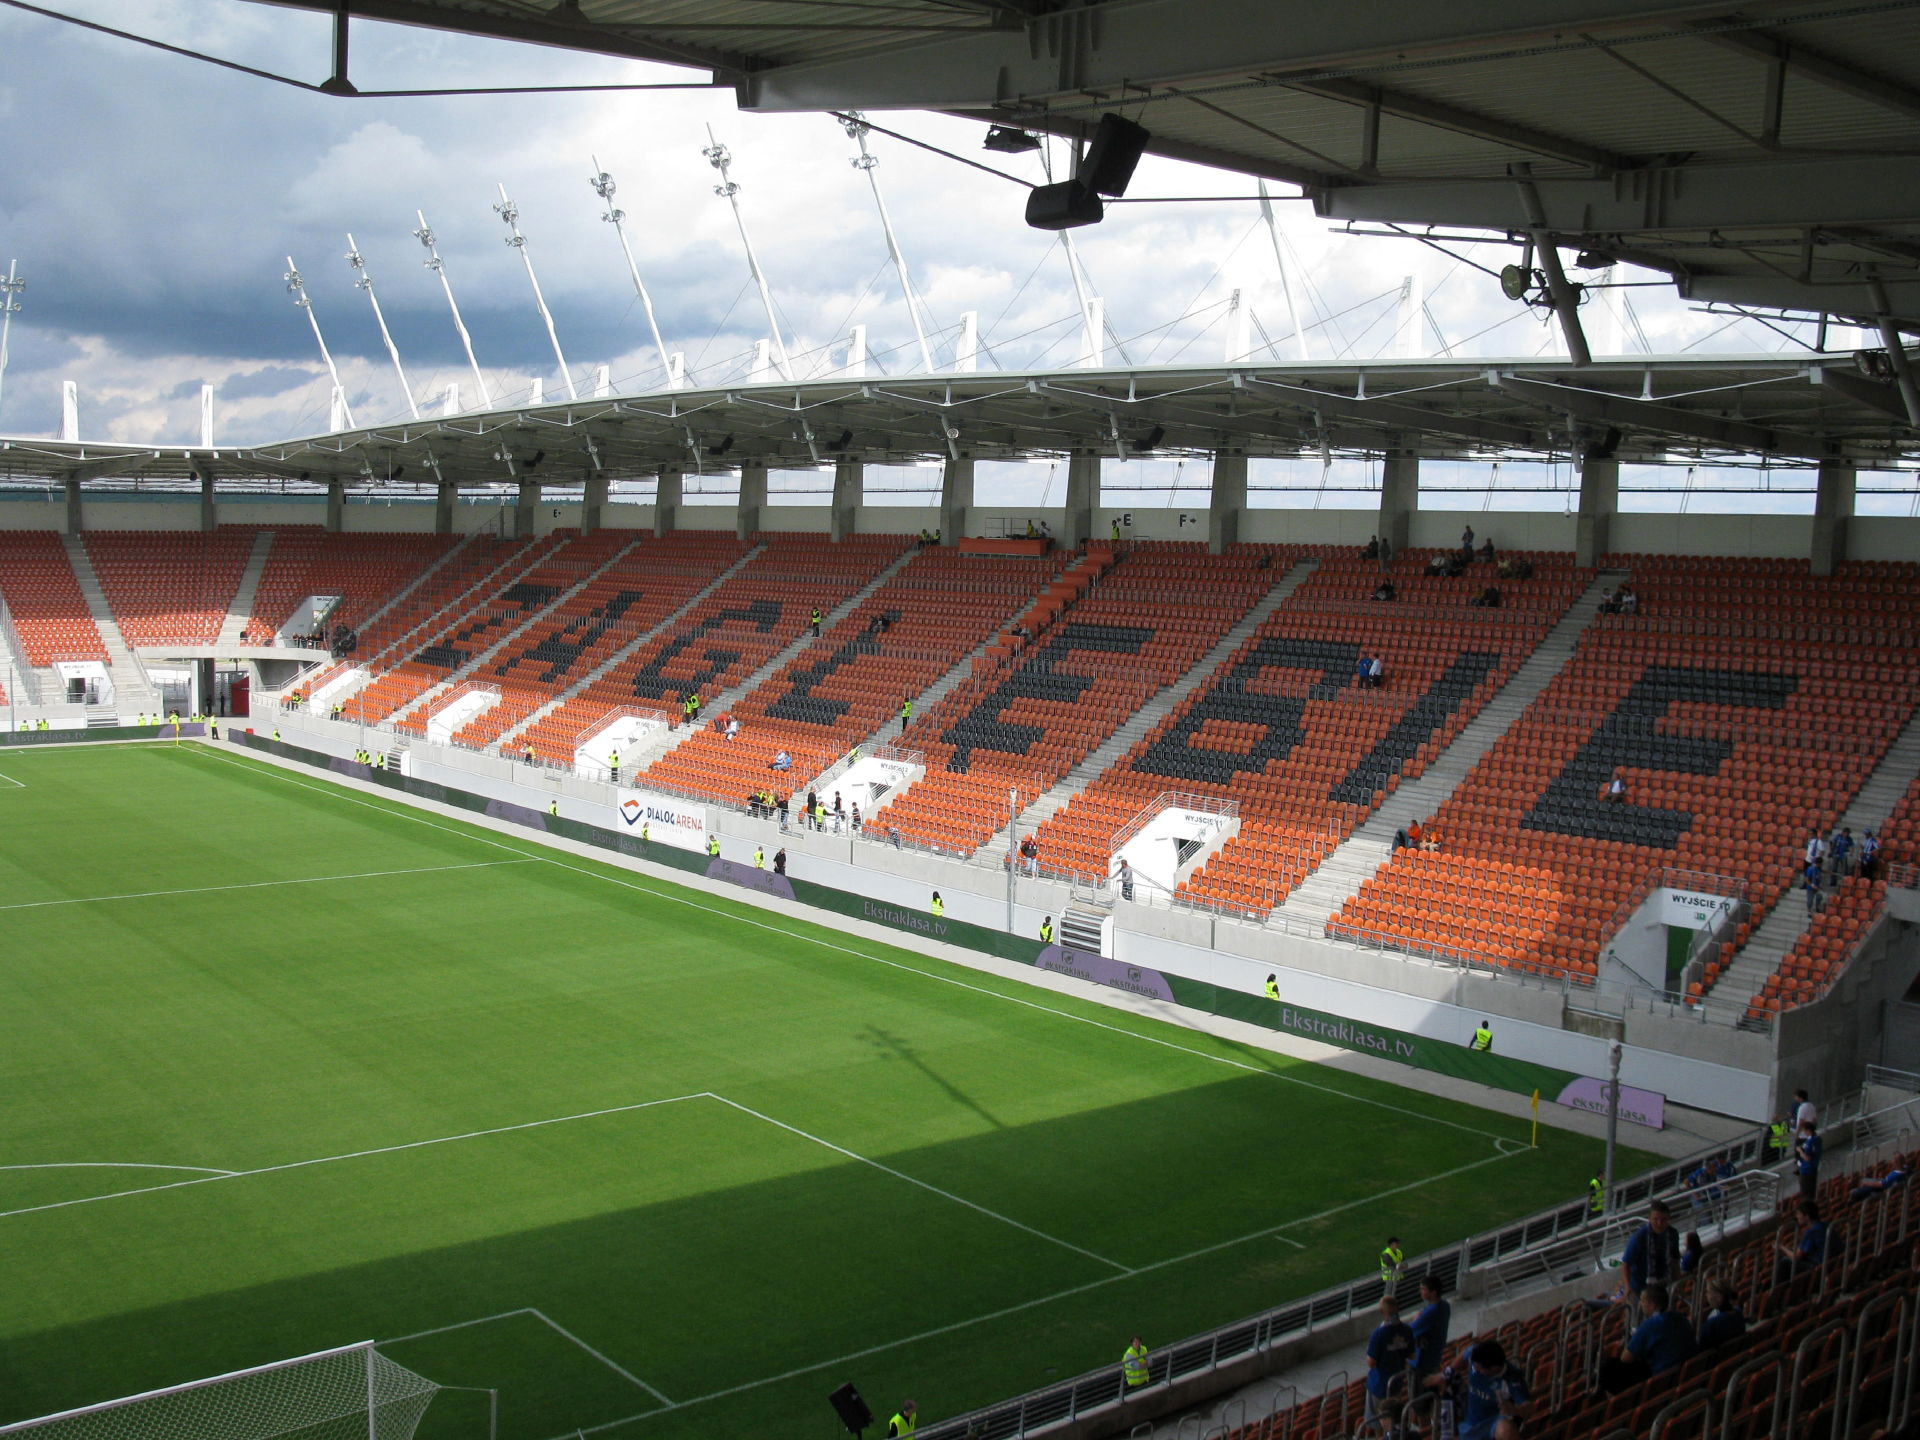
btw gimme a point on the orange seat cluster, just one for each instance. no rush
(49, 612)
(1753, 720)
(1109, 635)
(630, 597)
(365, 570)
(732, 632)
(1297, 805)
(170, 586)
(847, 684)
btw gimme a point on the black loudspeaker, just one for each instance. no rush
(851, 1409)
(1063, 206)
(1602, 446)
(1117, 147)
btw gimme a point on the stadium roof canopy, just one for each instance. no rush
(1774, 410)
(1764, 154)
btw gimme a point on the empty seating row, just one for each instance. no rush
(170, 586)
(49, 611)
(365, 570)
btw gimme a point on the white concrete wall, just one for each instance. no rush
(32, 512)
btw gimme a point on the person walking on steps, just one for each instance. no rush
(906, 714)
(816, 622)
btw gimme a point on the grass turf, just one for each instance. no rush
(625, 1149)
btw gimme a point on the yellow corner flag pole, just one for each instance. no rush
(1536, 1119)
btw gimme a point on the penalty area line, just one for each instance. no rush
(551, 1324)
(1038, 1301)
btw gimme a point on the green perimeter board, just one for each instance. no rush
(694, 1246)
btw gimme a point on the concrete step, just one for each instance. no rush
(242, 605)
(471, 670)
(673, 739)
(1370, 846)
(506, 741)
(133, 693)
(1775, 935)
(1045, 806)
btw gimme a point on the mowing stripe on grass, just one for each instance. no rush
(933, 1189)
(264, 884)
(684, 899)
(1035, 1303)
(356, 1154)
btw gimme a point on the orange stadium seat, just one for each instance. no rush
(49, 612)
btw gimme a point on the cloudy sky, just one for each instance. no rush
(151, 202)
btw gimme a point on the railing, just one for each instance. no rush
(454, 697)
(613, 716)
(1171, 800)
(1067, 1400)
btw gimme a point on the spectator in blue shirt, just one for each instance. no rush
(1691, 1252)
(1389, 1349)
(1430, 1328)
(1807, 1251)
(1807, 1150)
(1652, 1256)
(1892, 1180)
(1724, 1321)
(1659, 1343)
(1497, 1396)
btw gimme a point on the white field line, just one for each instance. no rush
(354, 1154)
(1024, 1305)
(689, 903)
(619, 1370)
(261, 884)
(118, 1165)
(16, 784)
(931, 1189)
(457, 1325)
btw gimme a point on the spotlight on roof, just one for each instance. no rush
(1011, 140)
(846, 439)
(1065, 205)
(535, 459)
(1594, 260)
(722, 448)
(1150, 441)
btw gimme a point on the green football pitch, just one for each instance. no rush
(289, 1066)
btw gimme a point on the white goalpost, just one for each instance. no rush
(349, 1393)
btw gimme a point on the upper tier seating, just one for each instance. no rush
(366, 570)
(170, 586)
(735, 630)
(49, 612)
(1022, 723)
(1285, 728)
(847, 684)
(1741, 706)
(637, 591)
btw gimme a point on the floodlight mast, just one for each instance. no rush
(434, 263)
(720, 158)
(365, 281)
(603, 186)
(856, 129)
(1286, 273)
(298, 288)
(510, 213)
(9, 307)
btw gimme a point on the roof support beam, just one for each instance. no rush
(1868, 394)
(1409, 419)
(1464, 122)
(1834, 74)
(1608, 409)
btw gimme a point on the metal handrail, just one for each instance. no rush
(1168, 800)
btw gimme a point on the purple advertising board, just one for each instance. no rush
(1641, 1107)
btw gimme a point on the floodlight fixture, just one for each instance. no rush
(1594, 260)
(1011, 140)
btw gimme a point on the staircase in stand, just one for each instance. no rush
(1370, 846)
(132, 692)
(242, 606)
(506, 742)
(1774, 936)
(671, 740)
(1142, 721)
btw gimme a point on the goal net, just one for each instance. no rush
(352, 1393)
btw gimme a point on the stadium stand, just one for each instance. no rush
(1287, 730)
(170, 586)
(637, 590)
(1109, 634)
(365, 570)
(49, 612)
(1825, 1352)
(729, 634)
(1741, 705)
(848, 684)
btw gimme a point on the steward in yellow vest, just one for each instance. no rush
(1482, 1038)
(1133, 1365)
